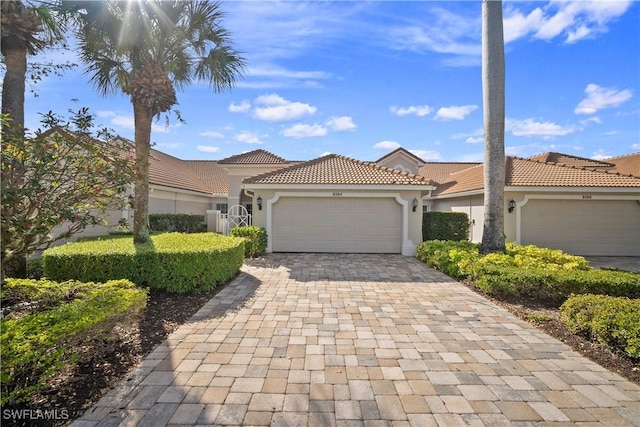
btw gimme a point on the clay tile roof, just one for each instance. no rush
(527, 172)
(627, 164)
(172, 172)
(534, 173)
(336, 169)
(255, 157)
(567, 159)
(439, 171)
(400, 150)
(211, 174)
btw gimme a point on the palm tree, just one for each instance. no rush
(147, 49)
(493, 82)
(25, 29)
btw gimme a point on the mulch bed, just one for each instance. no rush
(102, 364)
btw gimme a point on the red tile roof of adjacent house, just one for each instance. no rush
(211, 174)
(534, 173)
(629, 164)
(255, 157)
(172, 172)
(569, 160)
(439, 171)
(336, 169)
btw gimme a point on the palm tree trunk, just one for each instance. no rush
(142, 120)
(13, 85)
(493, 82)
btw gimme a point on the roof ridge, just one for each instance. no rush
(584, 168)
(624, 155)
(227, 160)
(380, 167)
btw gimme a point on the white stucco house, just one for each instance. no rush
(338, 204)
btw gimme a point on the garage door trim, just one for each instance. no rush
(408, 247)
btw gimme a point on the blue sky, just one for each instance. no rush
(362, 78)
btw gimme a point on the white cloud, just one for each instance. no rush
(207, 149)
(635, 146)
(427, 155)
(474, 140)
(212, 134)
(278, 109)
(386, 145)
(340, 124)
(601, 97)
(573, 21)
(600, 155)
(455, 112)
(592, 119)
(127, 121)
(417, 110)
(516, 25)
(530, 127)
(271, 76)
(243, 107)
(305, 131)
(326, 153)
(249, 137)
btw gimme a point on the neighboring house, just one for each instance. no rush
(582, 206)
(337, 204)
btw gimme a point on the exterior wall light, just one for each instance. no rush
(512, 205)
(415, 204)
(259, 200)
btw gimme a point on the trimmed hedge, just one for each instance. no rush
(256, 240)
(445, 226)
(614, 322)
(527, 271)
(173, 262)
(36, 346)
(181, 223)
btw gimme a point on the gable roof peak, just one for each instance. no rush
(401, 150)
(255, 157)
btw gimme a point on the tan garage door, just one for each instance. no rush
(348, 225)
(583, 227)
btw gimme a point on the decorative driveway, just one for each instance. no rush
(361, 340)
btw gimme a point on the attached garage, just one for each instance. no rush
(583, 227)
(339, 205)
(337, 224)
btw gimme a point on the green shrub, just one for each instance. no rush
(171, 261)
(445, 226)
(256, 240)
(36, 346)
(555, 285)
(181, 223)
(614, 322)
(527, 271)
(454, 258)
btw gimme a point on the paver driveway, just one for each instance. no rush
(373, 340)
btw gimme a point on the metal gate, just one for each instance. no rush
(236, 216)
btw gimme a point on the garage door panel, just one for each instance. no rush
(583, 227)
(357, 225)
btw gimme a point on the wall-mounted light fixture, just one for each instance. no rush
(259, 200)
(512, 205)
(415, 204)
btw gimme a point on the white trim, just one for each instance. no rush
(340, 187)
(408, 246)
(574, 189)
(179, 190)
(516, 189)
(527, 197)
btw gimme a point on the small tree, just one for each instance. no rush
(56, 183)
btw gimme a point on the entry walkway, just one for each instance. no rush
(361, 340)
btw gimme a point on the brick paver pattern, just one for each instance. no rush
(361, 340)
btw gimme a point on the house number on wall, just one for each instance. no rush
(337, 194)
(586, 197)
